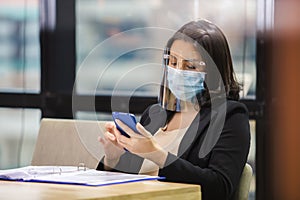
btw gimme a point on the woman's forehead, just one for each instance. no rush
(184, 50)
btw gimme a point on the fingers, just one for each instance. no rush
(117, 139)
(107, 137)
(128, 130)
(110, 126)
(111, 131)
(123, 140)
(103, 141)
(110, 136)
(143, 131)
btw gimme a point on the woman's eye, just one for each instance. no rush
(191, 67)
(173, 63)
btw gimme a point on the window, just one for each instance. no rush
(19, 46)
(119, 46)
(20, 75)
(19, 130)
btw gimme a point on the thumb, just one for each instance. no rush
(143, 131)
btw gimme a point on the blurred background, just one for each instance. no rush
(81, 59)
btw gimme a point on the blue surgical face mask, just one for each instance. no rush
(185, 84)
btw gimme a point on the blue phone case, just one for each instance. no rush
(126, 118)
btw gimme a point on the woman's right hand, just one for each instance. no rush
(112, 149)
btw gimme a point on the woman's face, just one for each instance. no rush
(184, 56)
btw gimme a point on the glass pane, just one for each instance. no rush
(119, 46)
(19, 46)
(19, 130)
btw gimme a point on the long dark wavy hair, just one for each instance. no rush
(208, 36)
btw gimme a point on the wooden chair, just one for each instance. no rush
(244, 185)
(68, 143)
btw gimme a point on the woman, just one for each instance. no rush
(199, 132)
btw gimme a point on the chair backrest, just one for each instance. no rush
(244, 185)
(68, 143)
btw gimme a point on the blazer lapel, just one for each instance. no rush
(196, 130)
(214, 118)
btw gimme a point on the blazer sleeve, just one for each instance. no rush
(220, 177)
(128, 163)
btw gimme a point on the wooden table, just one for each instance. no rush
(10, 190)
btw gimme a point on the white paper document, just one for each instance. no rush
(70, 175)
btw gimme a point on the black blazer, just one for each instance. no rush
(212, 153)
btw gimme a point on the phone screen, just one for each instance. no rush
(128, 119)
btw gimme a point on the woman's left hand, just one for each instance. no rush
(142, 144)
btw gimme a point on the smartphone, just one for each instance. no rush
(128, 119)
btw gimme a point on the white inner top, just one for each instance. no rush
(170, 141)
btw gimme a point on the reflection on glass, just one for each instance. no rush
(19, 130)
(19, 46)
(117, 52)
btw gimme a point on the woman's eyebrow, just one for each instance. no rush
(189, 59)
(195, 60)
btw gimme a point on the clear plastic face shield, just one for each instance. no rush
(182, 82)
